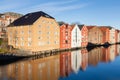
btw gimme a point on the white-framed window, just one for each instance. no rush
(56, 33)
(29, 43)
(56, 42)
(22, 43)
(22, 32)
(39, 43)
(29, 38)
(16, 43)
(39, 32)
(22, 38)
(48, 32)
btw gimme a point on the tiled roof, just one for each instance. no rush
(29, 18)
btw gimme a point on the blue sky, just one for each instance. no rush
(89, 12)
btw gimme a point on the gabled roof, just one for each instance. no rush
(64, 25)
(103, 28)
(90, 27)
(73, 25)
(61, 23)
(29, 18)
(109, 27)
(1, 14)
(80, 26)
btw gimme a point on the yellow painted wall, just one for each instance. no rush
(45, 28)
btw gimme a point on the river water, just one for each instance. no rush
(96, 64)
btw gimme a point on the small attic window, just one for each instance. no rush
(26, 17)
(46, 16)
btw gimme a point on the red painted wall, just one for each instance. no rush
(65, 36)
(84, 39)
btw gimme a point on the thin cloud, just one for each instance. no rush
(11, 5)
(55, 7)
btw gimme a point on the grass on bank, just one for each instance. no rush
(4, 45)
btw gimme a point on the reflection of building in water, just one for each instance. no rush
(0, 73)
(94, 56)
(84, 62)
(105, 54)
(11, 71)
(3, 73)
(76, 60)
(116, 54)
(118, 49)
(112, 52)
(39, 69)
(65, 64)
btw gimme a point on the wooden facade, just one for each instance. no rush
(65, 36)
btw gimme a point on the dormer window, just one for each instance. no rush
(26, 17)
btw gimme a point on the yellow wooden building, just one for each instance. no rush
(35, 31)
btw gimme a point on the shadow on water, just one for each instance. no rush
(7, 59)
(91, 46)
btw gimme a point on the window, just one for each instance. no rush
(29, 32)
(66, 37)
(48, 42)
(29, 43)
(22, 32)
(39, 43)
(66, 41)
(56, 33)
(22, 44)
(55, 42)
(48, 32)
(16, 43)
(43, 21)
(39, 37)
(29, 39)
(51, 22)
(16, 32)
(22, 38)
(39, 32)
(48, 37)
(39, 26)
(48, 27)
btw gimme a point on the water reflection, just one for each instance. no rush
(39, 69)
(76, 60)
(84, 57)
(67, 65)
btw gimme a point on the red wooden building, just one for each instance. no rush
(106, 34)
(84, 35)
(65, 36)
